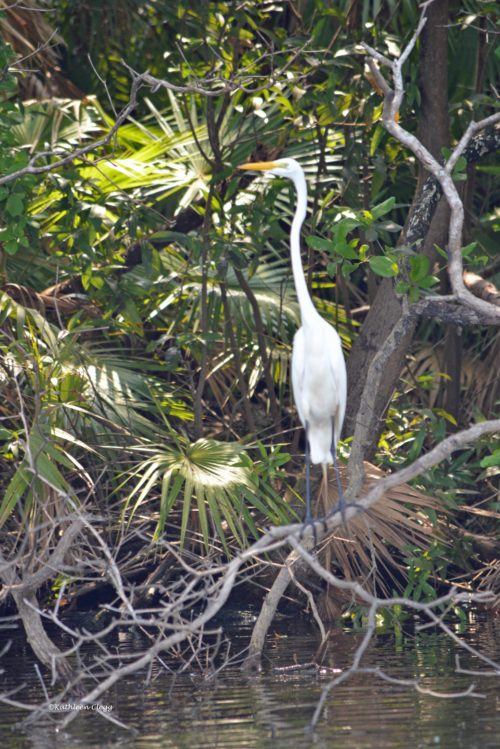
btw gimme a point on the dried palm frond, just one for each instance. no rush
(486, 546)
(65, 304)
(369, 548)
(26, 28)
(488, 579)
(479, 376)
(483, 391)
(35, 42)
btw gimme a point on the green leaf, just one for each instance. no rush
(11, 247)
(441, 251)
(202, 515)
(347, 250)
(428, 282)
(345, 225)
(419, 267)
(382, 208)
(320, 244)
(491, 460)
(14, 493)
(377, 136)
(402, 287)
(15, 204)
(207, 476)
(417, 445)
(489, 168)
(468, 249)
(346, 268)
(186, 508)
(383, 266)
(363, 252)
(446, 415)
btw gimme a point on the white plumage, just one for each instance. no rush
(319, 384)
(319, 378)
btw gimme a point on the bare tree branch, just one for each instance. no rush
(470, 308)
(208, 587)
(442, 173)
(322, 527)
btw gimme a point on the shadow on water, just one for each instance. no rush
(273, 709)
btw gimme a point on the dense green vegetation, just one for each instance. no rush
(147, 304)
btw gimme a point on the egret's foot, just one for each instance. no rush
(341, 507)
(309, 521)
(358, 506)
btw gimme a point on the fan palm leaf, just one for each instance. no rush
(210, 484)
(370, 546)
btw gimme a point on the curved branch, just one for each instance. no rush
(23, 591)
(482, 144)
(442, 173)
(320, 528)
(79, 152)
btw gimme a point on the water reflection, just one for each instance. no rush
(273, 709)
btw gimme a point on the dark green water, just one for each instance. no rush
(274, 708)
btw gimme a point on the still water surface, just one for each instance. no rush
(274, 708)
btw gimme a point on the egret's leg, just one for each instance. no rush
(324, 487)
(308, 520)
(337, 476)
(308, 517)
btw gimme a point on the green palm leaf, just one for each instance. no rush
(209, 483)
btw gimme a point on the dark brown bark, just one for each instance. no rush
(449, 396)
(433, 124)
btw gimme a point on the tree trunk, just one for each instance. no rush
(433, 130)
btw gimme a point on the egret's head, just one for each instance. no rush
(281, 167)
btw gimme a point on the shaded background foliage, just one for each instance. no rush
(148, 307)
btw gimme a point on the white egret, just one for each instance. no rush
(319, 378)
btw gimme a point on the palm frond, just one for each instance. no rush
(374, 543)
(208, 487)
(57, 123)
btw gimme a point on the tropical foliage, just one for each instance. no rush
(148, 308)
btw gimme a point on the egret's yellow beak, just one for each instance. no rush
(259, 166)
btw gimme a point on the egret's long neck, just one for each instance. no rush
(307, 309)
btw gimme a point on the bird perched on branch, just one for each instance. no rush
(319, 378)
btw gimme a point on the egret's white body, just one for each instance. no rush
(319, 378)
(319, 390)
